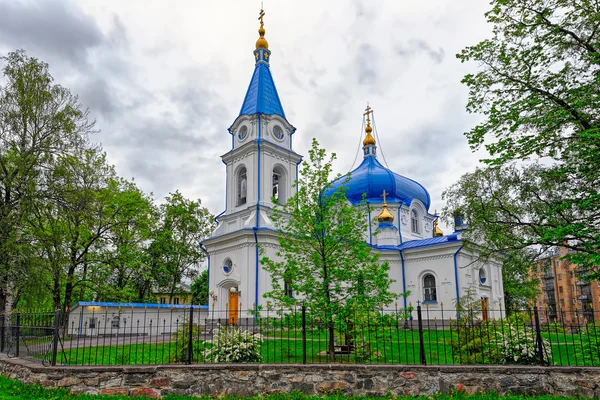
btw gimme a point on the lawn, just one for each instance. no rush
(15, 390)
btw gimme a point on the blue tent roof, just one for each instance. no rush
(413, 244)
(262, 96)
(134, 305)
(373, 178)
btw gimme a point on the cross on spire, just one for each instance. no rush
(260, 17)
(384, 195)
(368, 112)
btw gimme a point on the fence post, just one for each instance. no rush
(56, 336)
(303, 334)
(538, 335)
(421, 341)
(17, 334)
(190, 353)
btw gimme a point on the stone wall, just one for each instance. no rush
(372, 380)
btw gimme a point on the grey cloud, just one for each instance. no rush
(49, 27)
(366, 59)
(419, 46)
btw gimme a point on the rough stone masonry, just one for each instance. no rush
(247, 379)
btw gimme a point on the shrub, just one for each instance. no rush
(232, 344)
(518, 345)
(181, 340)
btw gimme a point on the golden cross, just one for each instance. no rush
(384, 194)
(368, 112)
(260, 17)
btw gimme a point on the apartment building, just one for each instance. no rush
(566, 297)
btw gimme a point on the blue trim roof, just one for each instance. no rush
(372, 178)
(414, 244)
(134, 305)
(262, 96)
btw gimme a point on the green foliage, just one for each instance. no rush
(322, 254)
(537, 89)
(590, 344)
(174, 252)
(509, 341)
(232, 344)
(200, 289)
(182, 340)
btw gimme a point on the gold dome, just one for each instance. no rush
(436, 229)
(385, 215)
(262, 43)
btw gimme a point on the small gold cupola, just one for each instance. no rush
(436, 229)
(369, 139)
(262, 43)
(385, 215)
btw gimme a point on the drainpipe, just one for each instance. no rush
(255, 229)
(403, 278)
(456, 278)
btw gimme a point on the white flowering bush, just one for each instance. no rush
(232, 344)
(518, 345)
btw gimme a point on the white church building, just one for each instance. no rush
(435, 268)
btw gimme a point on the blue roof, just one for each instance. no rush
(134, 305)
(262, 96)
(413, 244)
(373, 178)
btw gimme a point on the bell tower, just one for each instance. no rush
(260, 166)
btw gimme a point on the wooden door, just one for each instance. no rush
(232, 318)
(484, 308)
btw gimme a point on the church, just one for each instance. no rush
(261, 165)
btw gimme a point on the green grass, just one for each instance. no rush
(15, 390)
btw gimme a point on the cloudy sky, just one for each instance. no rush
(165, 79)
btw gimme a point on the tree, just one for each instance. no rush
(322, 255)
(538, 88)
(39, 120)
(81, 204)
(200, 289)
(175, 251)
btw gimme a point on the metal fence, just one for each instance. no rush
(423, 335)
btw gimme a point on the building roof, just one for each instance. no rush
(262, 96)
(372, 178)
(134, 305)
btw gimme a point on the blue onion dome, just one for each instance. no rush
(372, 178)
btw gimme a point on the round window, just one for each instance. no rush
(227, 267)
(278, 132)
(243, 132)
(482, 277)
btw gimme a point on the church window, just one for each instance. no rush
(227, 266)
(429, 289)
(243, 132)
(92, 324)
(115, 322)
(414, 221)
(288, 290)
(482, 276)
(275, 185)
(278, 184)
(242, 188)
(278, 132)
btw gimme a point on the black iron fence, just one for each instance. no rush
(427, 334)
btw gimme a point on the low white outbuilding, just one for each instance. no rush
(131, 319)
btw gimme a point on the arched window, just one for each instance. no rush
(279, 184)
(242, 187)
(414, 221)
(429, 291)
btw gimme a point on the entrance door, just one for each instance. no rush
(232, 318)
(484, 308)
